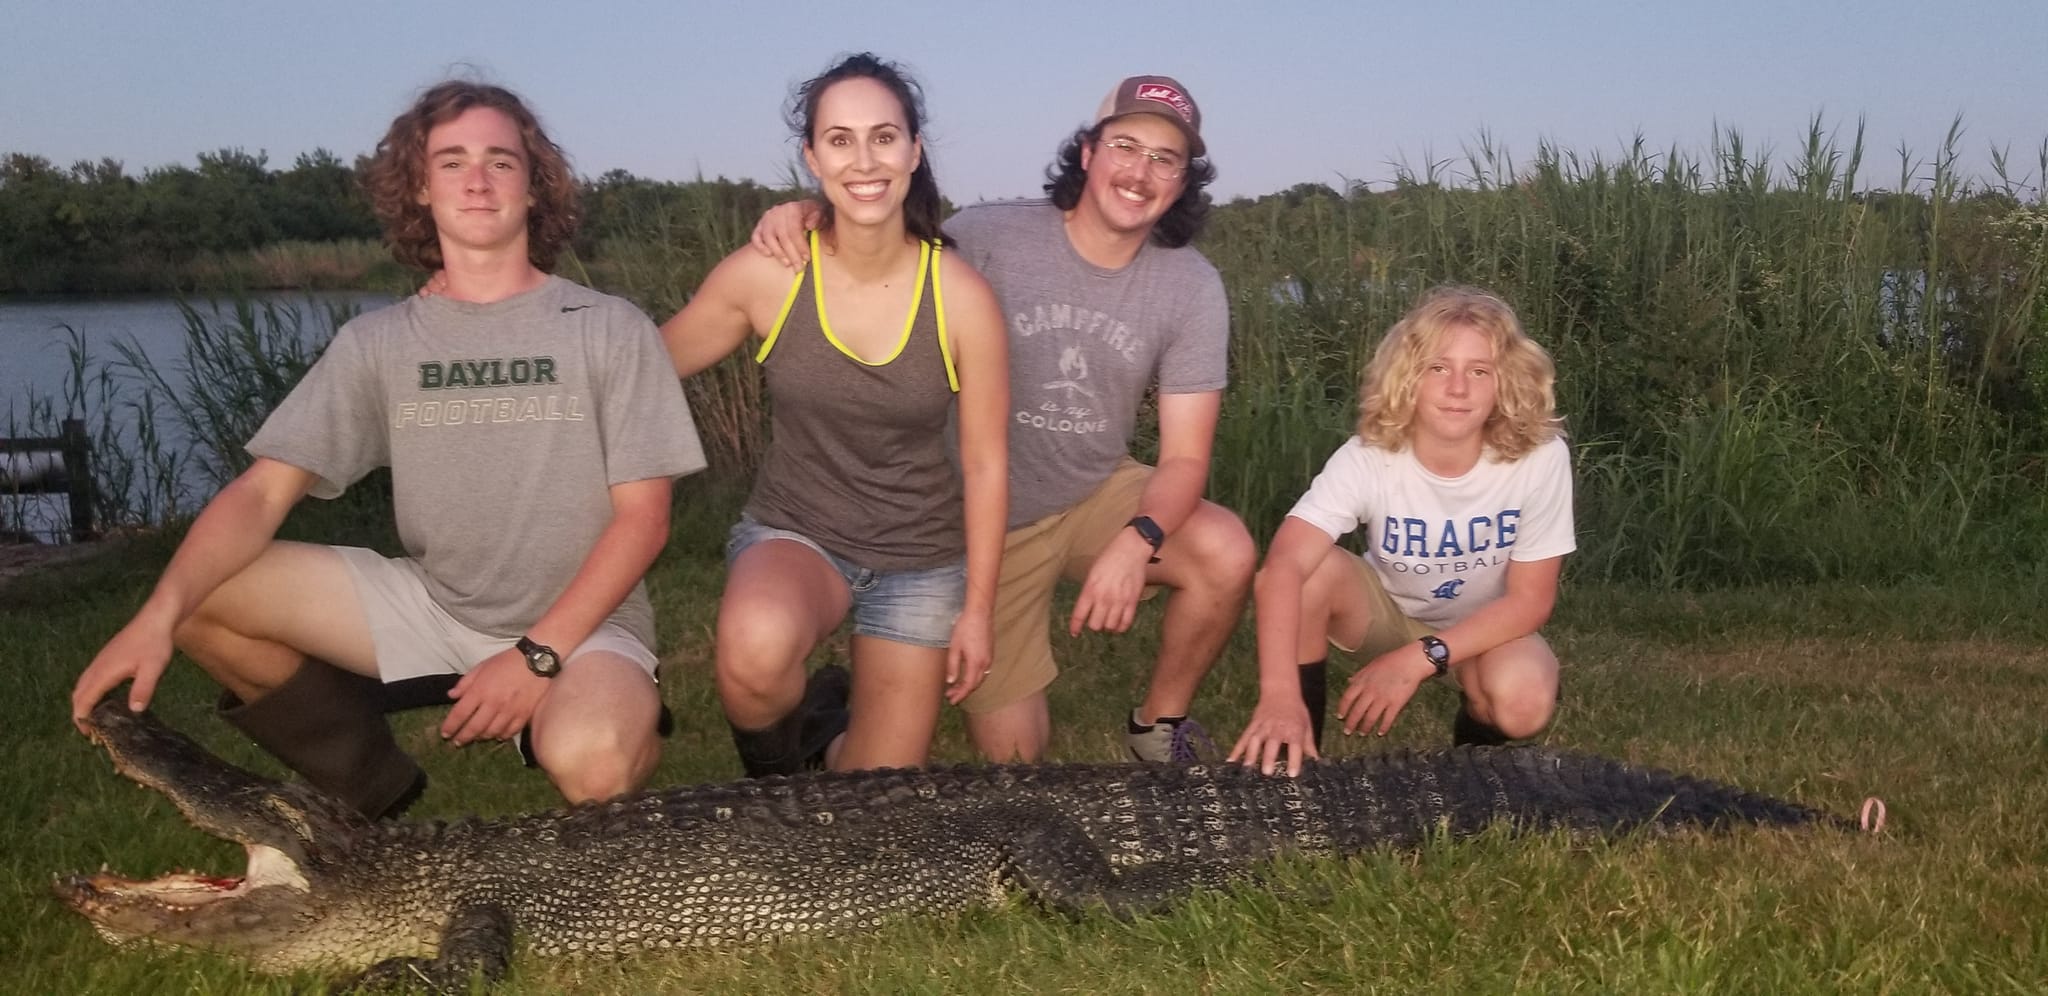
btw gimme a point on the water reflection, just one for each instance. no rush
(78, 357)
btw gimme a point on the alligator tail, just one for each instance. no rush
(1401, 798)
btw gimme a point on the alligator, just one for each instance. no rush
(816, 853)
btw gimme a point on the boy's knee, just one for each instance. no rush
(1236, 556)
(219, 648)
(1224, 548)
(1522, 719)
(599, 763)
(202, 628)
(1518, 709)
(193, 631)
(1328, 577)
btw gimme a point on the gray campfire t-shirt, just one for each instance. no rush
(1087, 343)
(504, 425)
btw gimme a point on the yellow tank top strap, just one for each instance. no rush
(939, 309)
(924, 262)
(788, 302)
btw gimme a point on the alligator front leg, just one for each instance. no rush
(1053, 862)
(478, 940)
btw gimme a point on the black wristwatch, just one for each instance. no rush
(541, 659)
(1439, 654)
(1151, 532)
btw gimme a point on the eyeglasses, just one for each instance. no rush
(1124, 152)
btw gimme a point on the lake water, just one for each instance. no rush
(34, 346)
(36, 338)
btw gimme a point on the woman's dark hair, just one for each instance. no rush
(922, 209)
(1181, 223)
(398, 172)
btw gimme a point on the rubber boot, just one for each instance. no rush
(328, 725)
(798, 741)
(1315, 694)
(772, 751)
(828, 698)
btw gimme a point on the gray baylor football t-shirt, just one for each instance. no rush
(1087, 343)
(504, 425)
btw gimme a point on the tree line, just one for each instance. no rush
(95, 227)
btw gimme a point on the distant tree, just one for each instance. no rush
(319, 200)
(103, 205)
(238, 192)
(35, 241)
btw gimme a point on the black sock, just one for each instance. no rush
(1315, 694)
(1147, 728)
(1468, 731)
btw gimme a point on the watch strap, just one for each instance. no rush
(1151, 533)
(1438, 652)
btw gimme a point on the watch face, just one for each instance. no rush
(1437, 651)
(539, 659)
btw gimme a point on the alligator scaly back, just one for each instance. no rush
(751, 861)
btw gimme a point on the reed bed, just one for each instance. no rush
(1768, 373)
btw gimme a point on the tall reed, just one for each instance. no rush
(673, 235)
(1768, 370)
(240, 358)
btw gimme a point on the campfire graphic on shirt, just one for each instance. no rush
(1073, 370)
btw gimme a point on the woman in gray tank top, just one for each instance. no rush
(861, 507)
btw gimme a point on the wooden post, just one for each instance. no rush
(30, 477)
(78, 468)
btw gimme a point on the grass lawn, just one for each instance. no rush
(1928, 696)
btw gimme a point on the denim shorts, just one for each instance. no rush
(917, 607)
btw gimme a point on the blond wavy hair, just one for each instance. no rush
(1525, 405)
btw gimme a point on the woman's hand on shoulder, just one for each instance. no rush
(783, 233)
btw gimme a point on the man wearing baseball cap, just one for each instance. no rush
(1106, 302)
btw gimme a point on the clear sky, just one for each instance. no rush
(1291, 92)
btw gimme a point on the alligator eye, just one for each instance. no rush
(292, 815)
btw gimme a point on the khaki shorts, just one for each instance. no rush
(415, 637)
(1390, 627)
(1035, 558)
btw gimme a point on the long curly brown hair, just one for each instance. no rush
(398, 172)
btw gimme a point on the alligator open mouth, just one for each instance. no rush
(182, 889)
